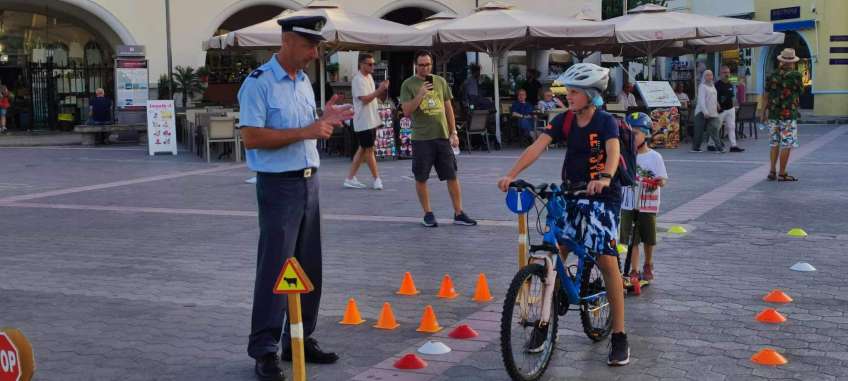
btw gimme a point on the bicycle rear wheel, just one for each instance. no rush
(526, 346)
(595, 313)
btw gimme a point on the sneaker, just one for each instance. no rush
(429, 220)
(251, 180)
(648, 272)
(354, 184)
(719, 151)
(537, 340)
(696, 150)
(736, 149)
(619, 353)
(711, 148)
(463, 219)
(378, 184)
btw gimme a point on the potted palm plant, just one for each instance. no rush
(187, 82)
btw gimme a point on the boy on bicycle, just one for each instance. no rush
(641, 203)
(591, 159)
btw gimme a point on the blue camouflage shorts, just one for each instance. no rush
(592, 223)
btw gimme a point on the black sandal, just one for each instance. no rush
(787, 177)
(772, 176)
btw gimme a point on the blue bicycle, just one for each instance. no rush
(546, 287)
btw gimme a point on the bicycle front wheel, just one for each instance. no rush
(526, 344)
(594, 305)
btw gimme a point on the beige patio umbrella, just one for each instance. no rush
(344, 30)
(496, 28)
(648, 29)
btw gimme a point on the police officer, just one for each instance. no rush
(279, 126)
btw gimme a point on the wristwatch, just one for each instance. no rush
(605, 175)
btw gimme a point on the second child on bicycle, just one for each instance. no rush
(592, 158)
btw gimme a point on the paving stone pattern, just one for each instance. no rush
(128, 293)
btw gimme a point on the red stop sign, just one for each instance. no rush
(10, 366)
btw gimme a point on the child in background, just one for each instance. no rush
(643, 198)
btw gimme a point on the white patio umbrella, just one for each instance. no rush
(496, 28)
(431, 25)
(651, 28)
(344, 30)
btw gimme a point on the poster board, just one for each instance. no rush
(657, 94)
(161, 127)
(131, 84)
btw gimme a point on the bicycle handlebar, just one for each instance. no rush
(572, 190)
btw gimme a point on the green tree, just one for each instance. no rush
(164, 87)
(615, 8)
(187, 82)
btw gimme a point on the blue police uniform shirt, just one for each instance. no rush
(270, 98)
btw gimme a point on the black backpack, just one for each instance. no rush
(626, 172)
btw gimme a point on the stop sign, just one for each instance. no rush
(10, 367)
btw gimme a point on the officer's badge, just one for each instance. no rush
(256, 73)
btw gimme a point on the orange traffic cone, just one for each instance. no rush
(481, 292)
(777, 296)
(407, 286)
(429, 323)
(387, 318)
(768, 356)
(770, 315)
(447, 291)
(351, 315)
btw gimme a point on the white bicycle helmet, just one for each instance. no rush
(585, 76)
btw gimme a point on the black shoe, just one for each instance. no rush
(619, 353)
(312, 352)
(463, 219)
(537, 340)
(429, 220)
(268, 368)
(711, 148)
(696, 150)
(736, 149)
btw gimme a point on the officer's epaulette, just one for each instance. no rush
(256, 73)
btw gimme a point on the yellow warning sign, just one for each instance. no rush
(292, 279)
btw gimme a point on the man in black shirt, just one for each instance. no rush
(727, 110)
(533, 86)
(100, 108)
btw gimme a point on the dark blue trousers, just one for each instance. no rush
(289, 225)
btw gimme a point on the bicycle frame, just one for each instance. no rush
(552, 239)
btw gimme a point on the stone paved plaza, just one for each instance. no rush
(122, 266)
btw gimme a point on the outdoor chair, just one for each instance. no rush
(477, 126)
(220, 130)
(747, 114)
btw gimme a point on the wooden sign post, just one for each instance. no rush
(293, 282)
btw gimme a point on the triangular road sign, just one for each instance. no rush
(292, 279)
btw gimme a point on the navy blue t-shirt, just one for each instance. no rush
(101, 109)
(586, 156)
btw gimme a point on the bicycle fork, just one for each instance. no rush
(550, 283)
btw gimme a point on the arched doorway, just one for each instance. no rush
(795, 41)
(228, 68)
(53, 55)
(400, 64)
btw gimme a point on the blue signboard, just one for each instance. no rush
(785, 13)
(838, 61)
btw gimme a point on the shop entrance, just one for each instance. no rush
(52, 62)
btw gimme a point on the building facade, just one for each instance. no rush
(816, 29)
(56, 52)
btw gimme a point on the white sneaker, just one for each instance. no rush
(251, 180)
(354, 183)
(378, 184)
